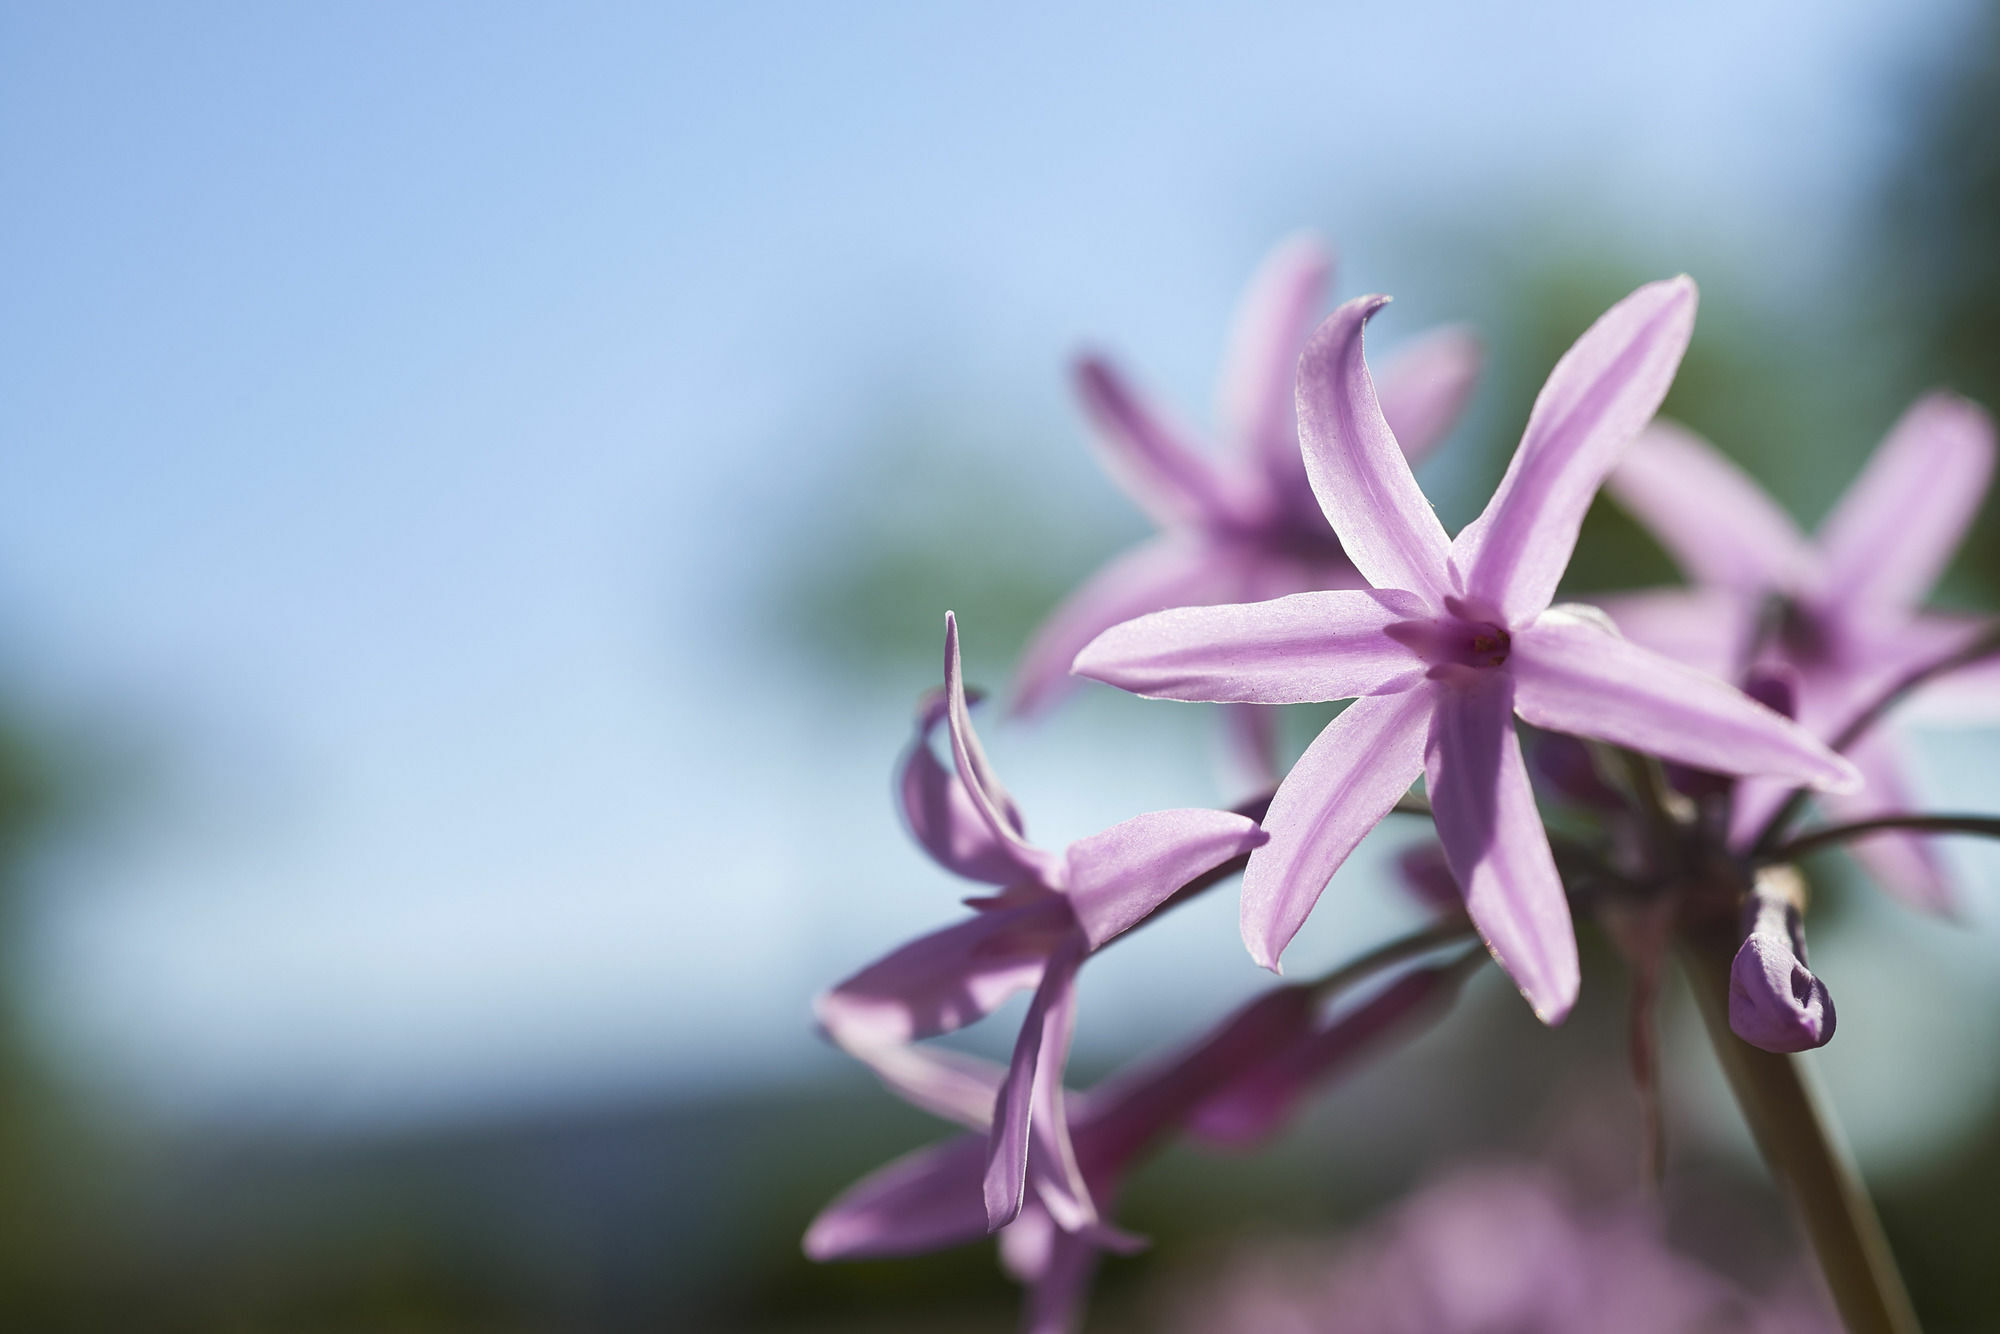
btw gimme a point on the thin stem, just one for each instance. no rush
(1986, 646)
(1799, 1141)
(1987, 826)
(1389, 954)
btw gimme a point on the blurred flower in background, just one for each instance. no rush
(1498, 1249)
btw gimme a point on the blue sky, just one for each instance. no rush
(399, 402)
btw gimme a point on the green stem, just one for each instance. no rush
(1799, 1141)
(1814, 839)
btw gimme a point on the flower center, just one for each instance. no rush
(1454, 641)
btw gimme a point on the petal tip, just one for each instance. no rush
(1840, 777)
(1003, 1205)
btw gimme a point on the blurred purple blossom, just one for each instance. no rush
(1449, 641)
(1052, 910)
(1234, 1086)
(1494, 1250)
(1237, 525)
(1848, 622)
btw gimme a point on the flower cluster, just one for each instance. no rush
(1681, 733)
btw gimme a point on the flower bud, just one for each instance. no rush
(1774, 1000)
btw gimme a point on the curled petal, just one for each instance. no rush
(1343, 785)
(1774, 1000)
(1494, 840)
(924, 1201)
(1605, 388)
(942, 981)
(1574, 676)
(1357, 469)
(1426, 386)
(976, 776)
(1895, 530)
(1174, 571)
(1150, 457)
(1118, 877)
(1260, 1100)
(1039, 1056)
(1718, 525)
(943, 818)
(1306, 647)
(1257, 409)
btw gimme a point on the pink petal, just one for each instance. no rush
(1494, 840)
(1906, 865)
(950, 1085)
(1340, 789)
(989, 799)
(923, 1201)
(1039, 1056)
(1357, 469)
(1118, 877)
(1896, 528)
(1257, 1102)
(1056, 1297)
(1718, 525)
(1708, 629)
(1175, 571)
(1426, 386)
(1028, 1243)
(1131, 1112)
(943, 818)
(1573, 675)
(1152, 459)
(1257, 409)
(1969, 694)
(1604, 389)
(1306, 647)
(942, 981)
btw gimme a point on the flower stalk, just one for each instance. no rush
(1797, 1136)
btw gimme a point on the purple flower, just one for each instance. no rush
(1240, 526)
(1494, 1250)
(1453, 638)
(1052, 910)
(1774, 1000)
(1232, 1087)
(1848, 622)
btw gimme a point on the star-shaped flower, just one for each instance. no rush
(1051, 912)
(1837, 613)
(1237, 525)
(1453, 638)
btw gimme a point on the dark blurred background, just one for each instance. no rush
(481, 489)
